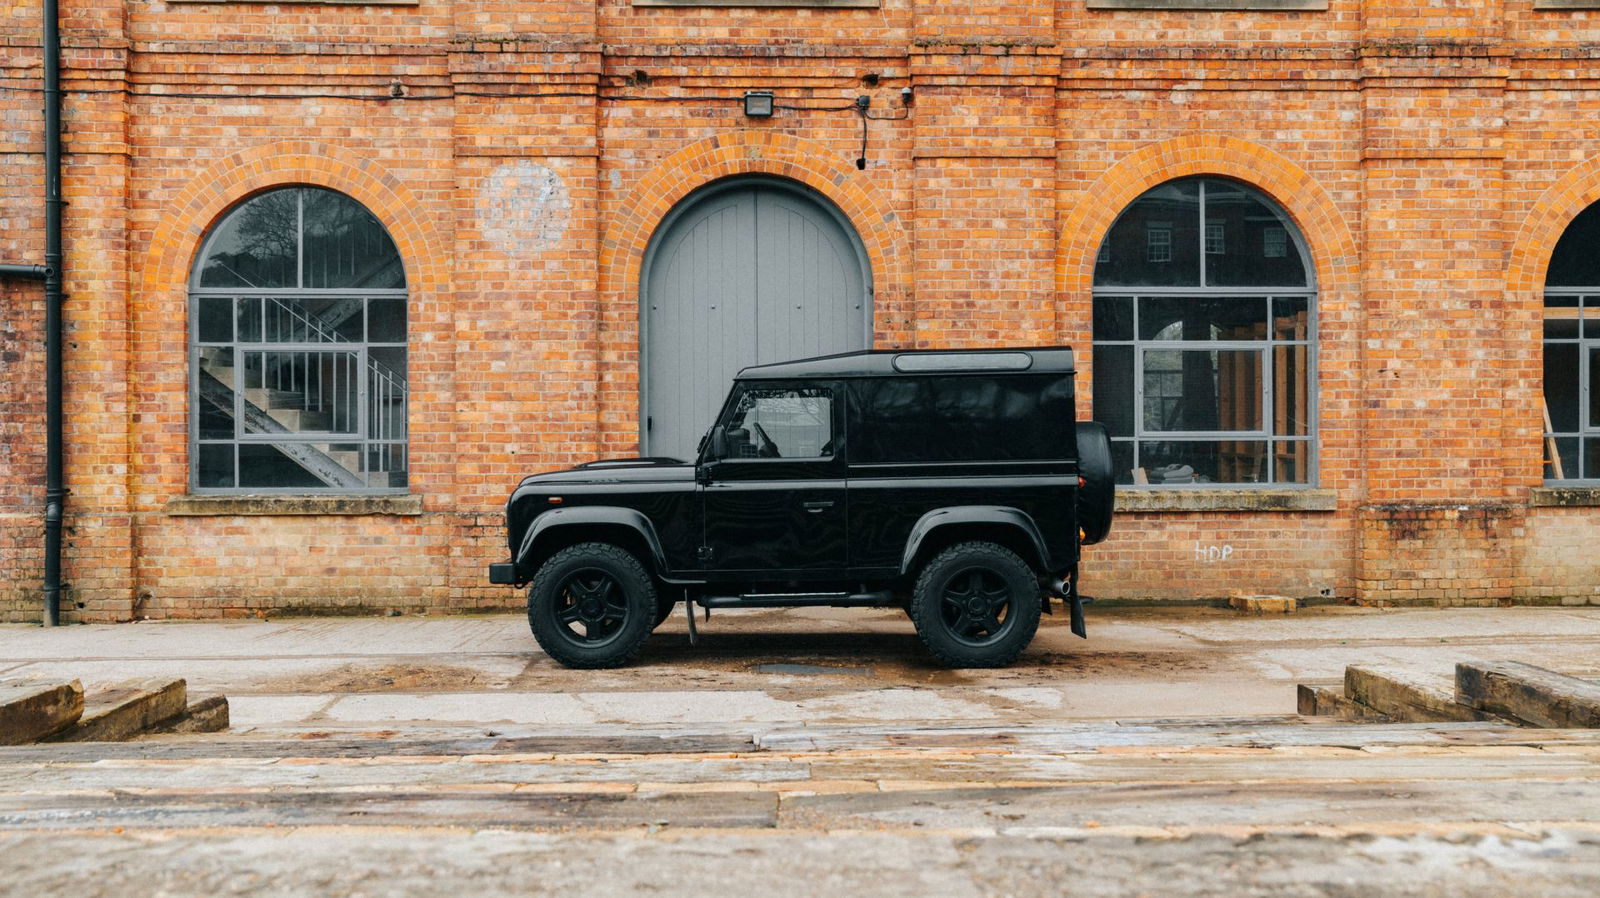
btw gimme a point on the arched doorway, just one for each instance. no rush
(745, 271)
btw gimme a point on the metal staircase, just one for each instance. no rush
(313, 393)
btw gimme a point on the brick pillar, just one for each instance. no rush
(1439, 525)
(984, 189)
(525, 276)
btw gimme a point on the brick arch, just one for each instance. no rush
(751, 152)
(1548, 219)
(1527, 265)
(195, 209)
(733, 153)
(1328, 238)
(162, 294)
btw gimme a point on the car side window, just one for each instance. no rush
(781, 422)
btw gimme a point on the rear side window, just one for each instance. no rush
(961, 418)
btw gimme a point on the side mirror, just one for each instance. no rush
(719, 443)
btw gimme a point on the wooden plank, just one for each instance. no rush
(29, 713)
(1401, 696)
(1530, 694)
(128, 710)
(1320, 701)
(539, 810)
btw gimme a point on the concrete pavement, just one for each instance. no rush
(806, 754)
(821, 666)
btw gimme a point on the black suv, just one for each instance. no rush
(953, 484)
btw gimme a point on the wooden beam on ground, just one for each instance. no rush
(1405, 697)
(29, 713)
(1320, 701)
(1530, 694)
(128, 710)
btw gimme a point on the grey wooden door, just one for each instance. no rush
(745, 274)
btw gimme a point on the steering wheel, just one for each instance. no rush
(765, 447)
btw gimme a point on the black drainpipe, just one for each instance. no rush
(55, 490)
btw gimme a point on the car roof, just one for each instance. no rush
(921, 363)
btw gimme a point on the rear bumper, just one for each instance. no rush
(504, 573)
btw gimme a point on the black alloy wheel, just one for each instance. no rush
(976, 604)
(592, 605)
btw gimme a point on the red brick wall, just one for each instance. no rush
(1430, 154)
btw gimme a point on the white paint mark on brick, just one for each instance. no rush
(524, 207)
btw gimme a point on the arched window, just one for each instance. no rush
(297, 324)
(1571, 342)
(1204, 314)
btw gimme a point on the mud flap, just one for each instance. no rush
(1075, 605)
(1077, 615)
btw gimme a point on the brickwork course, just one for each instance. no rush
(1430, 155)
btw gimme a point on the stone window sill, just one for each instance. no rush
(199, 506)
(1566, 4)
(810, 4)
(1564, 496)
(1140, 500)
(1269, 5)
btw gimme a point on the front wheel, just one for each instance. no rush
(976, 604)
(592, 605)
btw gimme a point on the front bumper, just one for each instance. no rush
(503, 573)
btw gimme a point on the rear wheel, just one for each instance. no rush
(592, 605)
(976, 604)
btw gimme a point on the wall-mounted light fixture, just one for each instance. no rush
(758, 103)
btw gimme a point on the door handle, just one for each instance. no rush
(819, 505)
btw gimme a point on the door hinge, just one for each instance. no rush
(650, 422)
(703, 553)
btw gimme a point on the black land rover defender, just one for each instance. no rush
(953, 484)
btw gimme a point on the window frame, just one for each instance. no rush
(1586, 346)
(361, 349)
(1267, 347)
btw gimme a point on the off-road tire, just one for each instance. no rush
(597, 581)
(1097, 497)
(975, 572)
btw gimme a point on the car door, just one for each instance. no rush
(774, 505)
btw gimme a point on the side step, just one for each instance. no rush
(800, 600)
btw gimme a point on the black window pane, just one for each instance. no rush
(264, 466)
(216, 407)
(1156, 241)
(1561, 386)
(1594, 389)
(1255, 246)
(252, 312)
(1291, 318)
(1194, 318)
(214, 319)
(255, 246)
(1122, 461)
(1576, 260)
(386, 320)
(1291, 461)
(1183, 462)
(1113, 389)
(1291, 390)
(1591, 459)
(1113, 317)
(1202, 391)
(215, 465)
(346, 246)
(1562, 464)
